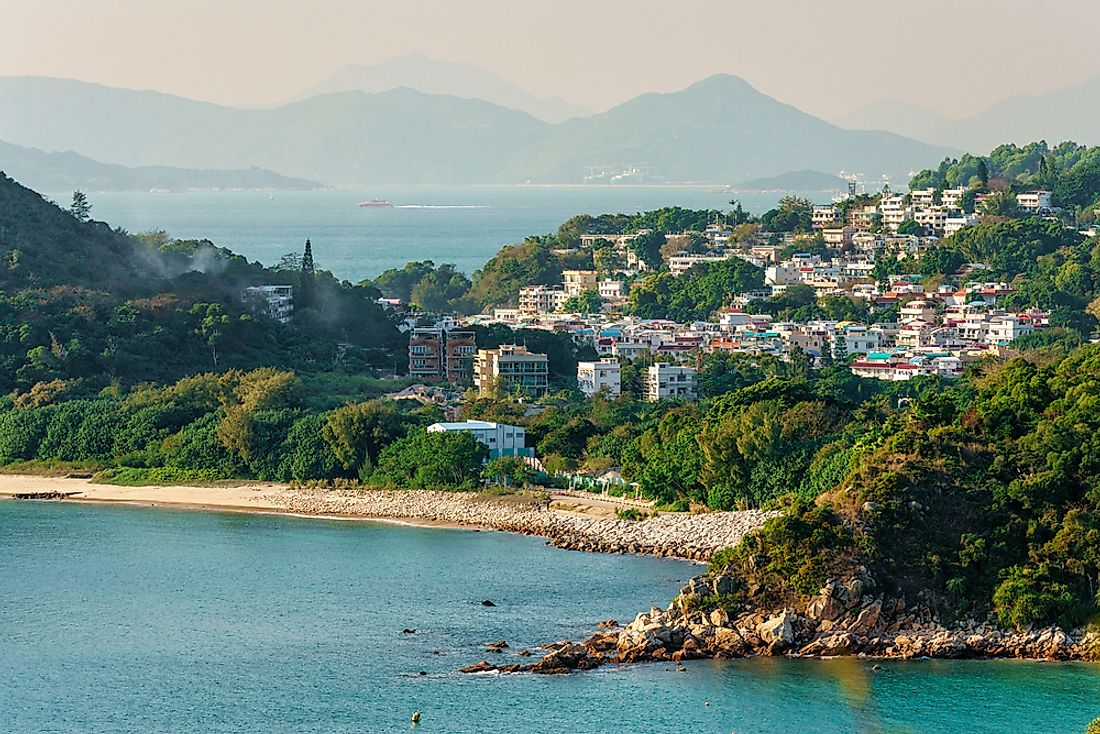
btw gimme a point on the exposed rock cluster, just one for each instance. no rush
(844, 618)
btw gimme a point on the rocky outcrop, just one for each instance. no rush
(695, 537)
(845, 617)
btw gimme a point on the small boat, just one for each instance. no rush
(376, 204)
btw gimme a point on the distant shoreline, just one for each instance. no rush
(573, 524)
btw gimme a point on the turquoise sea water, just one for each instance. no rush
(463, 225)
(123, 619)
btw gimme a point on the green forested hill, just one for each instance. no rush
(83, 306)
(44, 246)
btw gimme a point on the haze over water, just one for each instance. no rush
(464, 225)
(122, 619)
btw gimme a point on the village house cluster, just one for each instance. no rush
(929, 332)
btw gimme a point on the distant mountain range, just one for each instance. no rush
(430, 76)
(1071, 113)
(69, 171)
(719, 130)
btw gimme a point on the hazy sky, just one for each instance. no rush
(825, 56)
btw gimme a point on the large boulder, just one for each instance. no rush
(777, 630)
(834, 643)
(565, 659)
(867, 619)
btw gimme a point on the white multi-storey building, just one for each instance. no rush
(603, 375)
(894, 211)
(951, 225)
(500, 438)
(953, 198)
(512, 367)
(824, 215)
(668, 381)
(1034, 202)
(541, 299)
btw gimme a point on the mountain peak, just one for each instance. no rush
(418, 71)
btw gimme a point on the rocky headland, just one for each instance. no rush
(845, 617)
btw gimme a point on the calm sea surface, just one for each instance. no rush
(121, 619)
(461, 225)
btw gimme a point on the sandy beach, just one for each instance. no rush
(568, 523)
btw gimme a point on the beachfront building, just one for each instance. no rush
(669, 381)
(603, 375)
(436, 353)
(500, 438)
(511, 367)
(273, 301)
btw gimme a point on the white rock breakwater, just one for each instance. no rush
(694, 537)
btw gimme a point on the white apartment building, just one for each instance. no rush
(680, 264)
(824, 215)
(951, 225)
(541, 299)
(952, 198)
(500, 438)
(933, 219)
(782, 273)
(923, 197)
(1002, 329)
(603, 375)
(858, 339)
(894, 211)
(667, 381)
(1034, 202)
(612, 290)
(512, 367)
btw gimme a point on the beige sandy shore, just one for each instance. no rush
(578, 524)
(259, 497)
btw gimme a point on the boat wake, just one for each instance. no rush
(441, 206)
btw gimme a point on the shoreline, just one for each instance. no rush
(589, 528)
(847, 618)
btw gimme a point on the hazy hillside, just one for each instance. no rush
(720, 130)
(70, 171)
(43, 246)
(795, 181)
(899, 117)
(417, 71)
(1071, 113)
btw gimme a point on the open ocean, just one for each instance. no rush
(462, 225)
(126, 619)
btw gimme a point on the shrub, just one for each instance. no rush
(1027, 597)
(161, 475)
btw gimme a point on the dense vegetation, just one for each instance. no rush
(984, 492)
(84, 307)
(1069, 170)
(540, 260)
